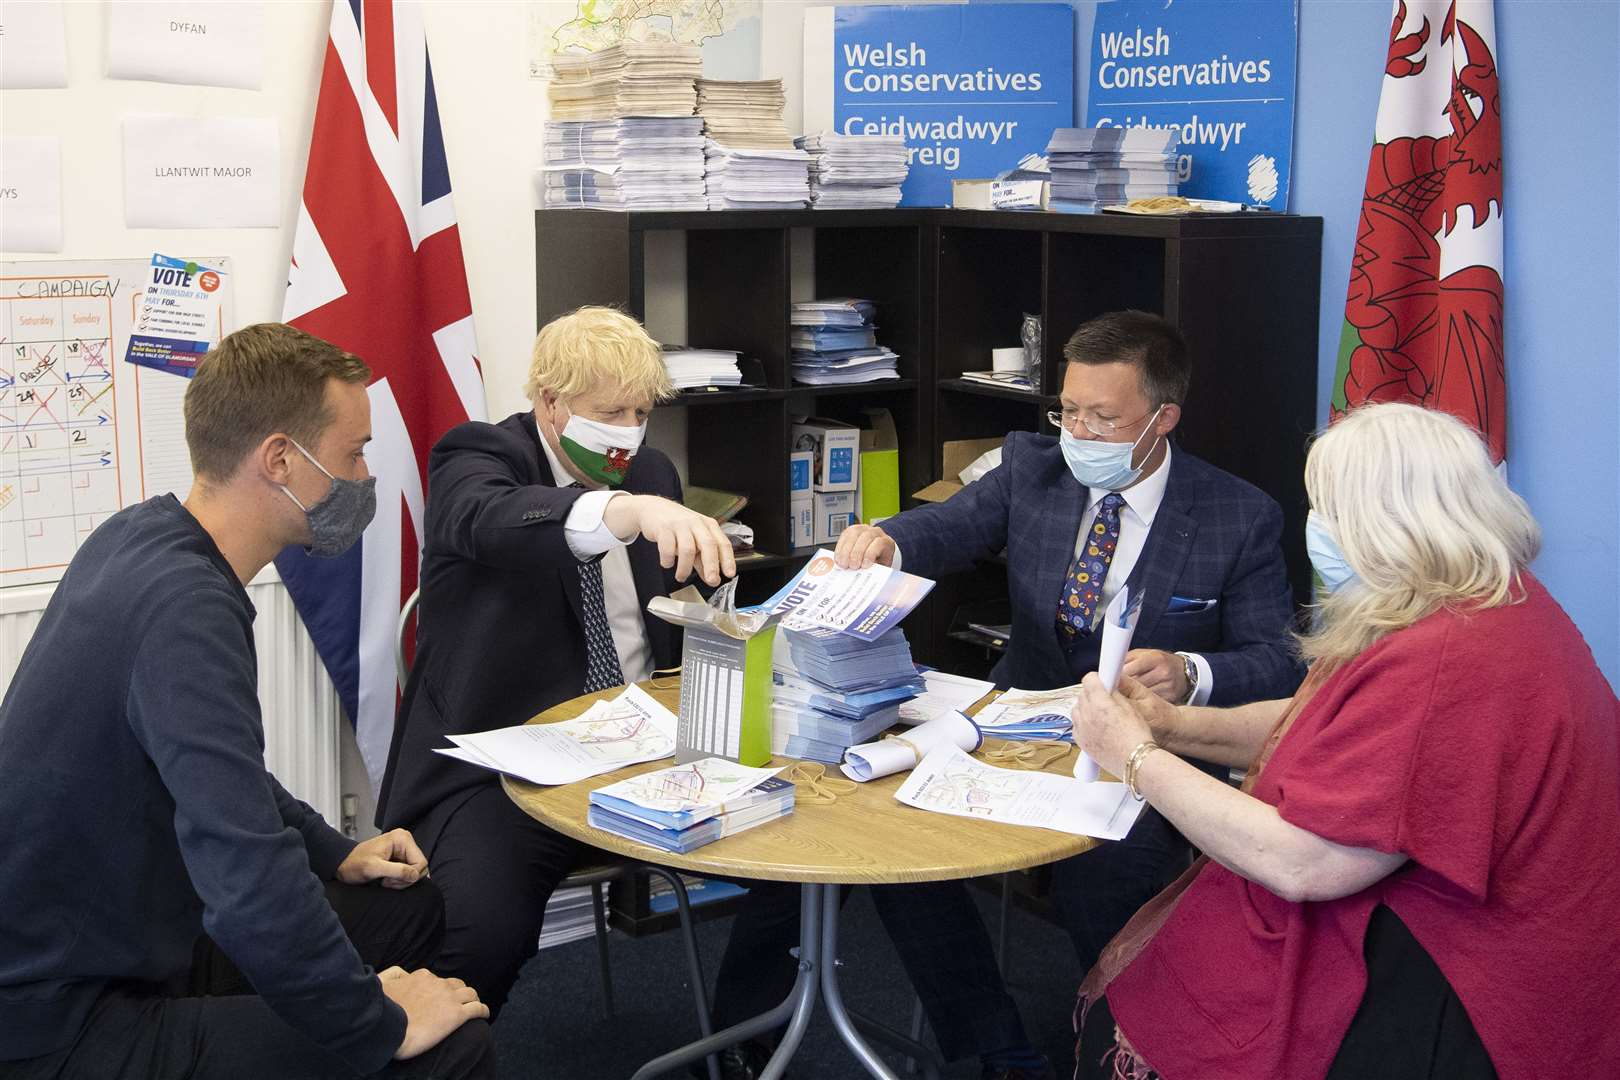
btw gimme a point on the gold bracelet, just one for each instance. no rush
(1134, 763)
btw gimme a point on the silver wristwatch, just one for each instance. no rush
(1190, 669)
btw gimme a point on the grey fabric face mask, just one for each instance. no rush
(343, 513)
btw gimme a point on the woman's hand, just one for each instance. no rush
(1161, 716)
(1109, 726)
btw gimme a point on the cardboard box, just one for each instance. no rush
(801, 522)
(1001, 194)
(725, 679)
(834, 447)
(834, 512)
(958, 454)
(879, 493)
(800, 468)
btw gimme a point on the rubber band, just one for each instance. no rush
(909, 745)
(1028, 755)
(813, 784)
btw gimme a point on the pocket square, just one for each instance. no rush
(1181, 605)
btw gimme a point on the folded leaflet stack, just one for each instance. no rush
(751, 163)
(835, 341)
(833, 691)
(855, 172)
(1093, 167)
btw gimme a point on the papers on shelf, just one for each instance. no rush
(944, 693)
(948, 781)
(632, 78)
(1094, 166)
(864, 603)
(899, 753)
(629, 729)
(855, 172)
(690, 368)
(740, 114)
(835, 341)
(741, 178)
(1030, 714)
(624, 164)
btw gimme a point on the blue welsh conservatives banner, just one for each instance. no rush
(1221, 72)
(972, 88)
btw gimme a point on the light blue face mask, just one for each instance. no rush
(1326, 557)
(1106, 465)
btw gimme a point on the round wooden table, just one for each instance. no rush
(864, 838)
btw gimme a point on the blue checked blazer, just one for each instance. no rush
(1215, 537)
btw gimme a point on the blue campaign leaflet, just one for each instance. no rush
(1220, 72)
(972, 88)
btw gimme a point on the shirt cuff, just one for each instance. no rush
(588, 536)
(1206, 679)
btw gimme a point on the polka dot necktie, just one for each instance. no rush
(602, 670)
(1082, 592)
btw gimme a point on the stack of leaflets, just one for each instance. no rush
(835, 341)
(686, 806)
(855, 172)
(832, 690)
(1093, 167)
(632, 78)
(744, 178)
(691, 368)
(740, 115)
(628, 164)
(1027, 715)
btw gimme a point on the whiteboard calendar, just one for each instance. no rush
(82, 433)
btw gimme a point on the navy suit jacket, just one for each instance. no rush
(499, 632)
(1215, 537)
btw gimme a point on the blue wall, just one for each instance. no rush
(1561, 123)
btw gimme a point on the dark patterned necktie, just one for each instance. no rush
(602, 669)
(1082, 591)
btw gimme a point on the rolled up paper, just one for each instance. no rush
(1119, 624)
(869, 761)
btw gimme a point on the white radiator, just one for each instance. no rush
(297, 699)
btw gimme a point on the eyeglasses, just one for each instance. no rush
(1067, 418)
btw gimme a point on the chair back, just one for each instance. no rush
(402, 670)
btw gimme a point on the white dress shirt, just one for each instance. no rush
(1142, 503)
(587, 538)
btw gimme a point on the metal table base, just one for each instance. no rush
(818, 976)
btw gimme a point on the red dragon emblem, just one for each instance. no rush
(1411, 334)
(618, 462)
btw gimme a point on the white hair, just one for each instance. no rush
(1422, 517)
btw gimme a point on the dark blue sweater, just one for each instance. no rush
(138, 811)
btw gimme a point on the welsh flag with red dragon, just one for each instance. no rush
(1423, 322)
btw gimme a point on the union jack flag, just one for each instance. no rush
(377, 270)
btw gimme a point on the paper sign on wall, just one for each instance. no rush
(33, 46)
(31, 193)
(195, 172)
(178, 318)
(186, 41)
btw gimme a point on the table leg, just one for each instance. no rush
(794, 1010)
(834, 996)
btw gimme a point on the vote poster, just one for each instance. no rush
(972, 87)
(1220, 72)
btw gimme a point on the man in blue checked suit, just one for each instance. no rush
(1104, 503)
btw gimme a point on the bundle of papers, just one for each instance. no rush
(833, 690)
(835, 341)
(629, 164)
(899, 753)
(687, 806)
(1030, 714)
(627, 730)
(855, 172)
(744, 114)
(740, 178)
(691, 368)
(1094, 167)
(948, 781)
(632, 78)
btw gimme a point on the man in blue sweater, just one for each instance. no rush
(167, 909)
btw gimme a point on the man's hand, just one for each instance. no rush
(860, 546)
(392, 858)
(686, 539)
(1161, 672)
(434, 1007)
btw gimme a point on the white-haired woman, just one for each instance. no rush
(1417, 878)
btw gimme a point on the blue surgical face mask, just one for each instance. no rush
(1327, 559)
(1107, 465)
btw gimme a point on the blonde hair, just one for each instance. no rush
(1422, 517)
(596, 347)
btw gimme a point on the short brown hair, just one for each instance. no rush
(1148, 342)
(259, 381)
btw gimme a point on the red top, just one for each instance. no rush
(1486, 748)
